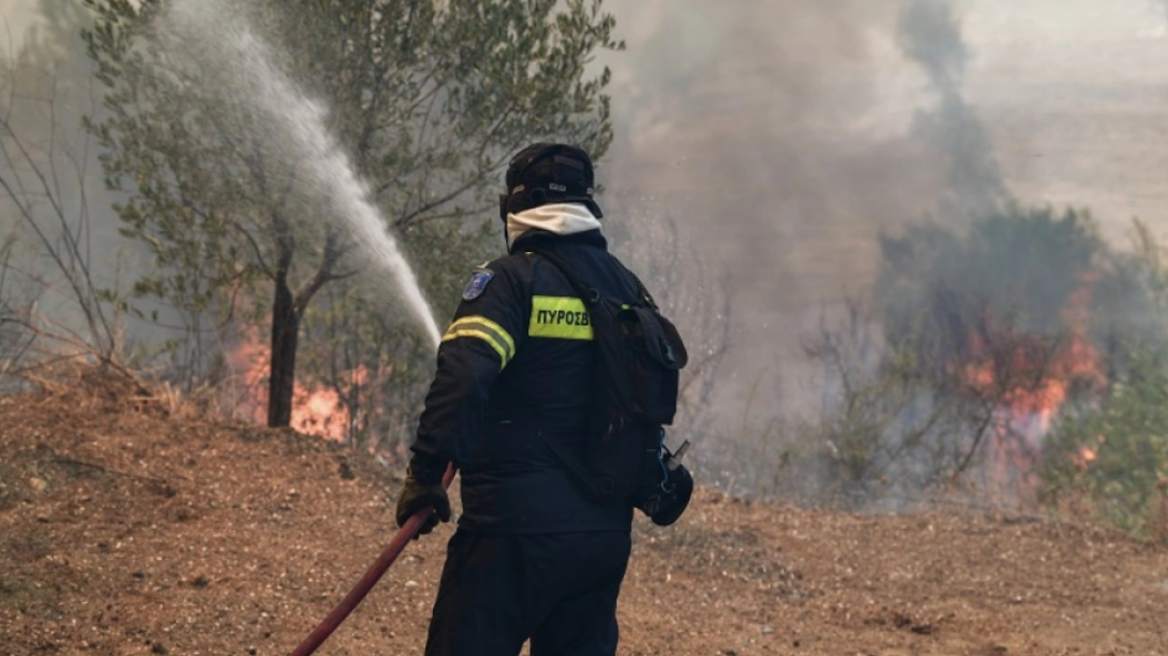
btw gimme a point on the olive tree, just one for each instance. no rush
(428, 99)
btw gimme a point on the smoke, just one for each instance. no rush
(777, 136)
(930, 35)
(47, 86)
(781, 138)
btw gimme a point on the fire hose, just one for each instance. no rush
(372, 575)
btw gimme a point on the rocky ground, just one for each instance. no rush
(132, 526)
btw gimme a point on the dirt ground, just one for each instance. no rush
(130, 528)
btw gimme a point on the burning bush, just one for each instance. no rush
(1019, 271)
(974, 342)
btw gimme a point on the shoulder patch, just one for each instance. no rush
(477, 283)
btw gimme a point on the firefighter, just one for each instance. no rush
(533, 556)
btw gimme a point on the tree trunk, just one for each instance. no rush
(285, 335)
(287, 311)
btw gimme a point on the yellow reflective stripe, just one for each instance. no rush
(489, 339)
(486, 330)
(560, 317)
(490, 325)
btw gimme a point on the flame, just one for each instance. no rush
(1085, 457)
(1032, 378)
(316, 409)
(1088, 454)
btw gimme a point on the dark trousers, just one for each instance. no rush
(559, 590)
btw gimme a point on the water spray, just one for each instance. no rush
(219, 37)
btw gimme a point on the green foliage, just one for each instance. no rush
(190, 199)
(1109, 458)
(429, 99)
(430, 105)
(1114, 456)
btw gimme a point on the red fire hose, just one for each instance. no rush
(369, 579)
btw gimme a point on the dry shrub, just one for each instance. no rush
(102, 388)
(92, 388)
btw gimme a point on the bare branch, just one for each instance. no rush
(69, 256)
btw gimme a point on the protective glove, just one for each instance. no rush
(417, 495)
(673, 503)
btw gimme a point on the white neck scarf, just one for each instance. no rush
(556, 218)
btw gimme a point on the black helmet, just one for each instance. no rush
(548, 173)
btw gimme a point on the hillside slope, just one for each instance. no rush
(127, 531)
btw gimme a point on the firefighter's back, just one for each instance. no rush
(515, 483)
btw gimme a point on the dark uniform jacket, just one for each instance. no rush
(514, 370)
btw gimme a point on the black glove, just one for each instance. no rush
(417, 495)
(672, 503)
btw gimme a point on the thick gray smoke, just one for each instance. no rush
(767, 132)
(930, 35)
(781, 137)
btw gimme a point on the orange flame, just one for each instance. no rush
(1085, 457)
(1036, 386)
(316, 410)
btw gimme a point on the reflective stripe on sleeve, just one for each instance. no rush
(488, 331)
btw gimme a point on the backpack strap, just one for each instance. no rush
(590, 295)
(664, 338)
(599, 486)
(641, 290)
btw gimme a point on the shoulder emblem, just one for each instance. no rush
(477, 284)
